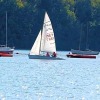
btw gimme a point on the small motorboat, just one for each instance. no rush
(6, 55)
(80, 56)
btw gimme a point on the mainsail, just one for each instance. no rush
(48, 39)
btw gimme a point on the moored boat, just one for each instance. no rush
(6, 51)
(5, 55)
(84, 52)
(80, 56)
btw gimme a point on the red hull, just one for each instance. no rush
(80, 56)
(6, 52)
(6, 55)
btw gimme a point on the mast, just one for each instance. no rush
(6, 28)
(87, 46)
(80, 38)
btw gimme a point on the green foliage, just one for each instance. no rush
(69, 6)
(25, 19)
(20, 3)
(95, 3)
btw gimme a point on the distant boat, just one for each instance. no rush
(45, 42)
(6, 51)
(85, 52)
(80, 56)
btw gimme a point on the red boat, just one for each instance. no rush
(6, 51)
(6, 55)
(80, 56)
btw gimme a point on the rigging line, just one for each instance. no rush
(40, 43)
(20, 53)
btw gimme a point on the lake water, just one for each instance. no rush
(22, 78)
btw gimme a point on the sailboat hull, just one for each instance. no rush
(44, 57)
(86, 52)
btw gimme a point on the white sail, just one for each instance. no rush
(48, 40)
(45, 42)
(36, 46)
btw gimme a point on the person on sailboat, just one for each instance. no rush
(54, 54)
(48, 54)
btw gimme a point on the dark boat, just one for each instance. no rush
(84, 52)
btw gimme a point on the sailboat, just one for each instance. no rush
(6, 51)
(45, 42)
(87, 51)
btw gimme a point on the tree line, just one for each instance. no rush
(76, 23)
